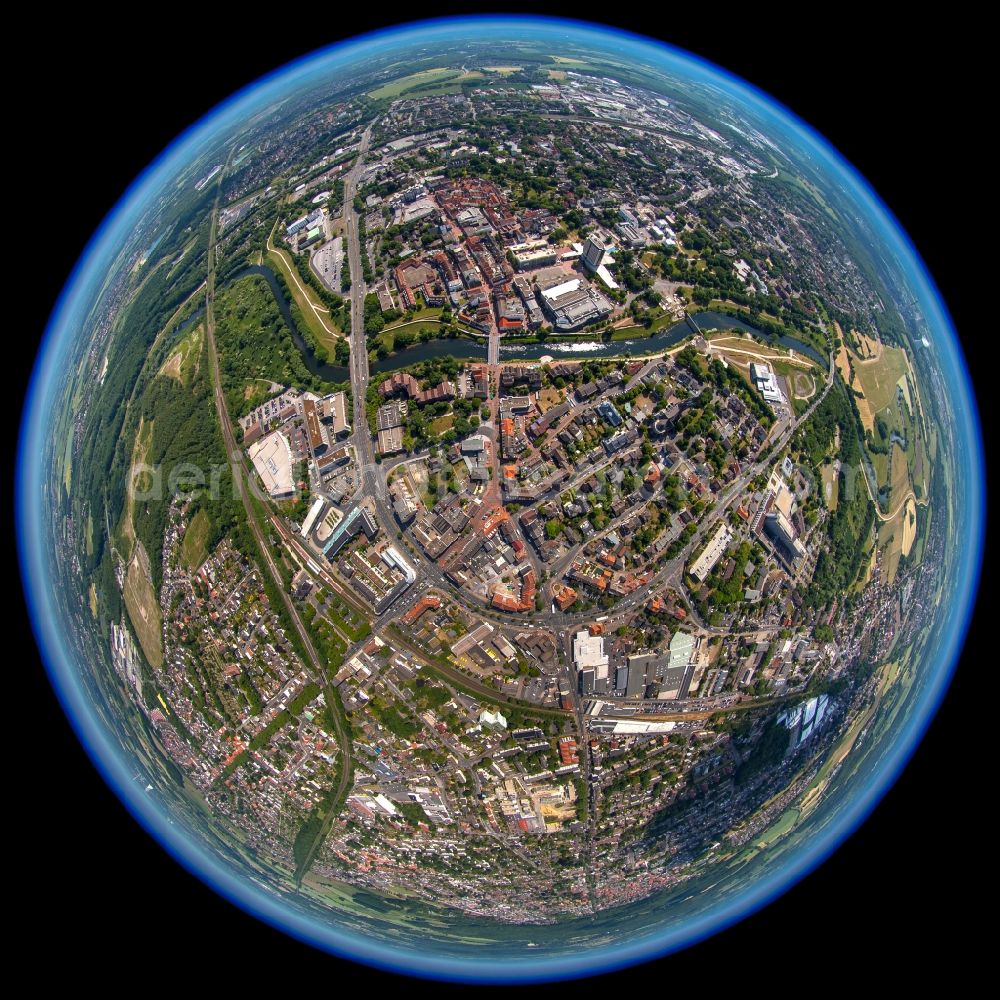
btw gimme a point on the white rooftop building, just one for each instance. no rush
(561, 289)
(272, 458)
(588, 653)
(765, 381)
(492, 720)
(314, 512)
(717, 544)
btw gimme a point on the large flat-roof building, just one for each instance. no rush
(272, 458)
(334, 411)
(317, 439)
(389, 425)
(572, 304)
(591, 661)
(353, 524)
(712, 552)
(531, 255)
(766, 383)
(313, 515)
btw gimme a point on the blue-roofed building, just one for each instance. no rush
(609, 413)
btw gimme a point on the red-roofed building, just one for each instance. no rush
(424, 604)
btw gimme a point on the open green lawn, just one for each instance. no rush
(426, 312)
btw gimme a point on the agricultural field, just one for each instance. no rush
(877, 380)
(899, 471)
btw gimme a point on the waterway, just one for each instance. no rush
(512, 350)
(187, 322)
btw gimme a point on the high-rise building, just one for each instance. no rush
(781, 532)
(593, 252)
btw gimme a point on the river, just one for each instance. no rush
(511, 350)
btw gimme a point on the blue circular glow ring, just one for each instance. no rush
(194, 856)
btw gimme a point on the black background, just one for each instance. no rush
(895, 102)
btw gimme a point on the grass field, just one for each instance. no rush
(183, 360)
(890, 539)
(909, 526)
(425, 314)
(140, 450)
(408, 334)
(314, 314)
(896, 537)
(194, 548)
(805, 385)
(785, 822)
(143, 608)
(443, 423)
(548, 398)
(746, 349)
(900, 484)
(920, 466)
(831, 485)
(568, 61)
(878, 380)
(426, 82)
(881, 466)
(862, 581)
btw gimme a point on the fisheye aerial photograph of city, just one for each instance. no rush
(499, 499)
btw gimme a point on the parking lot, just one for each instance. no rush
(328, 261)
